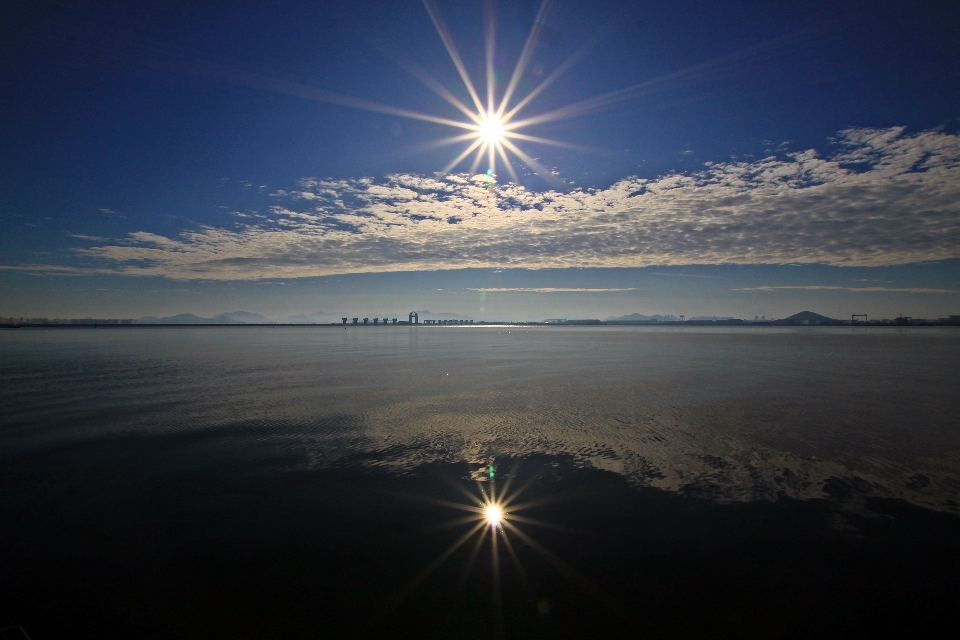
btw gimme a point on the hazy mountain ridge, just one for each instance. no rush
(809, 315)
(235, 317)
(319, 317)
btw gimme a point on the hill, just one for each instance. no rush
(236, 317)
(807, 317)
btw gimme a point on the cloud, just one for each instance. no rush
(55, 270)
(883, 198)
(680, 275)
(544, 290)
(818, 287)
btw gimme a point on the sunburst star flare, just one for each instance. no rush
(492, 124)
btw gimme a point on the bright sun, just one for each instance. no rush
(494, 514)
(491, 128)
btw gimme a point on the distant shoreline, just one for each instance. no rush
(688, 323)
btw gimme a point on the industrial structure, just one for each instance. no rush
(412, 318)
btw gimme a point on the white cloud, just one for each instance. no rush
(820, 287)
(544, 290)
(55, 270)
(885, 198)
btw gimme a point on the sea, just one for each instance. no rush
(330, 482)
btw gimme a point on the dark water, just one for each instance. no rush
(310, 482)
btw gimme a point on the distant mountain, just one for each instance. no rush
(242, 316)
(807, 317)
(182, 318)
(236, 317)
(320, 317)
(639, 317)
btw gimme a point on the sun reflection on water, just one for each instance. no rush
(494, 514)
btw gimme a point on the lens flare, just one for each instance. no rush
(491, 125)
(493, 129)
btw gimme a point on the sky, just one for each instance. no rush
(700, 158)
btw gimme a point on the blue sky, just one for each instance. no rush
(743, 158)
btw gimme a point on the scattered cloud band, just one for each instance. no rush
(884, 198)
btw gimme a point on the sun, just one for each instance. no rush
(491, 129)
(492, 124)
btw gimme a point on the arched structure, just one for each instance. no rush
(414, 318)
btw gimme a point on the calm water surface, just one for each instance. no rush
(298, 482)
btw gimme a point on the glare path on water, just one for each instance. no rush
(495, 515)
